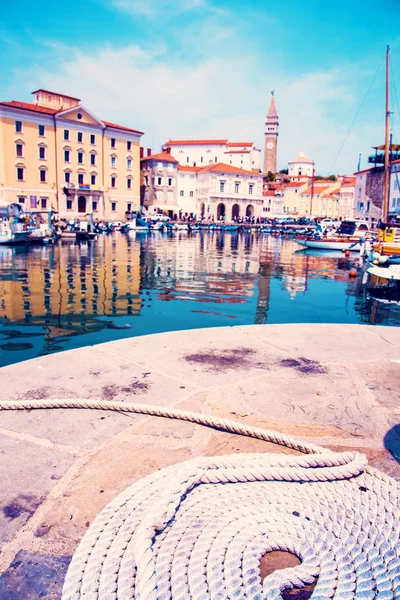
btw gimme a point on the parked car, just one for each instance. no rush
(329, 223)
(159, 217)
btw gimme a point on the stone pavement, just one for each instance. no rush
(334, 385)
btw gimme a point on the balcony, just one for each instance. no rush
(378, 159)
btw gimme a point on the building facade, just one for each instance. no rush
(226, 192)
(271, 138)
(158, 189)
(55, 154)
(202, 153)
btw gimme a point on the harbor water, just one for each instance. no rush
(55, 298)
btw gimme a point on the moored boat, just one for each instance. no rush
(12, 233)
(331, 244)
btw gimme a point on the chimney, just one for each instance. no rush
(141, 152)
(148, 151)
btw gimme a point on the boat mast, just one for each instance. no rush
(386, 174)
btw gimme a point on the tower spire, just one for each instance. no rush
(271, 136)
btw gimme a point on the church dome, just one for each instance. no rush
(301, 159)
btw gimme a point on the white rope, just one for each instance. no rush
(198, 529)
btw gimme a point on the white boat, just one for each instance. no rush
(137, 225)
(391, 273)
(334, 244)
(12, 233)
(180, 227)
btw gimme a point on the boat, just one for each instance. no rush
(138, 225)
(388, 271)
(12, 233)
(330, 244)
(180, 227)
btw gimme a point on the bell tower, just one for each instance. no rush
(271, 137)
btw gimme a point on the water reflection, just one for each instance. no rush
(69, 295)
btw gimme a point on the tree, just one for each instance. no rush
(270, 176)
(284, 171)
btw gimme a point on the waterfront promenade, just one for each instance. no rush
(334, 385)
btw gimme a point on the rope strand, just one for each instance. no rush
(199, 529)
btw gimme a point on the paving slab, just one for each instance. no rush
(334, 385)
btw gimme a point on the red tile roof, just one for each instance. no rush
(122, 127)
(294, 184)
(31, 107)
(163, 156)
(189, 169)
(269, 193)
(52, 111)
(239, 144)
(195, 142)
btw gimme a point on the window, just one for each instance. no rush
(20, 173)
(129, 183)
(113, 206)
(251, 185)
(113, 182)
(43, 175)
(191, 194)
(112, 142)
(67, 177)
(93, 158)
(187, 159)
(181, 193)
(169, 181)
(21, 199)
(80, 178)
(66, 155)
(80, 136)
(222, 186)
(42, 152)
(66, 134)
(113, 162)
(93, 180)
(159, 181)
(129, 163)
(41, 130)
(80, 158)
(69, 204)
(216, 159)
(18, 126)
(43, 202)
(129, 146)
(129, 207)
(19, 150)
(92, 138)
(94, 205)
(237, 185)
(201, 159)
(368, 205)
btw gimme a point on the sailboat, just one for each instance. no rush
(388, 243)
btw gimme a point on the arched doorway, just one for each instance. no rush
(82, 204)
(235, 211)
(202, 210)
(250, 210)
(220, 210)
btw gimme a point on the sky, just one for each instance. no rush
(205, 68)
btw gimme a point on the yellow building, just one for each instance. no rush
(55, 154)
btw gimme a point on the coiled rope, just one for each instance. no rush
(198, 530)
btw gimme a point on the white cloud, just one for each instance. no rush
(155, 8)
(222, 96)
